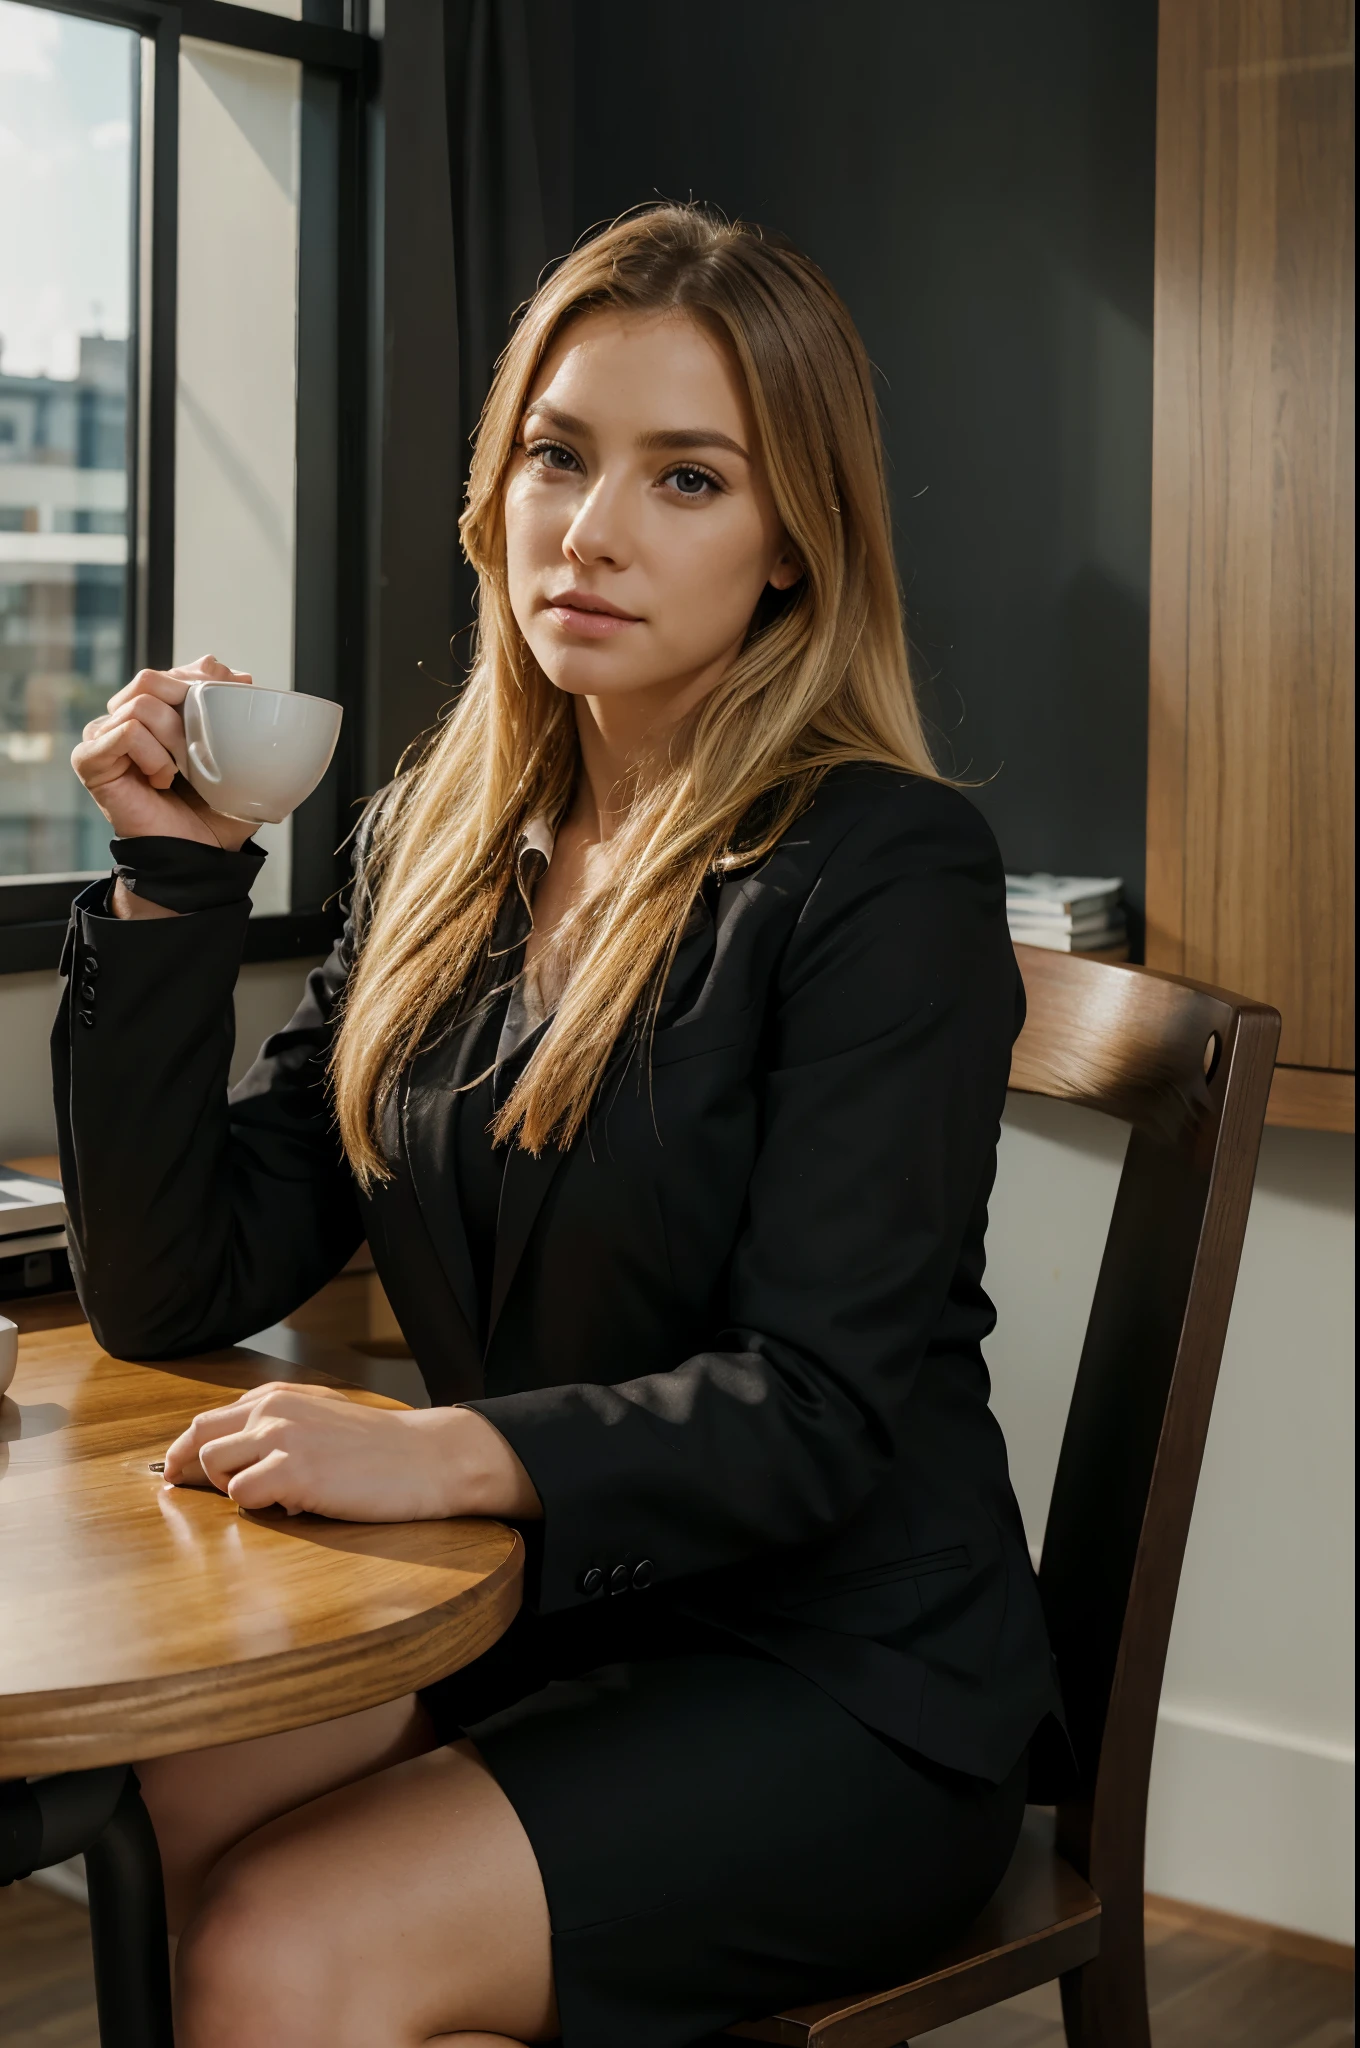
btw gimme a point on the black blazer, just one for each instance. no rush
(735, 1330)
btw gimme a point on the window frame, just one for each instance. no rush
(34, 913)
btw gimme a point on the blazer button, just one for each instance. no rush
(643, 1574)
(89, 967)
(590, 1581)
(620, 1579)
(87, 991)
(86, 1017)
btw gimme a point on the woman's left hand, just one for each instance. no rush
(311, 1450)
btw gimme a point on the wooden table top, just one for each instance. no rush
(138, 1619)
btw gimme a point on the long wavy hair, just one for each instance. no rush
(823, 678)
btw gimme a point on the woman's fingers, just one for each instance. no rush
(264, 1484)
(171, 685)
(159, 718)
(223, 1457)
(120, 744)
(185, 1464)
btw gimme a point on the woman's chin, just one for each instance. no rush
(599, 671)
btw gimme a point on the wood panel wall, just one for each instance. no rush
(1251, 740)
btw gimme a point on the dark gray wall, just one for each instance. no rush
(977, 179)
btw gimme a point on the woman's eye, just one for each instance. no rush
(551, 455)
(692, 483)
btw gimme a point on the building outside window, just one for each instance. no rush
(69, 91)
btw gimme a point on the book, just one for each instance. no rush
(1066, 913)
(1066, 942)
(1077, 927)
(30, 1206)
(1053, 898)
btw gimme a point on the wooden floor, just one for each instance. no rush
(1207, 1992)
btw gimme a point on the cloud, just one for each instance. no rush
(111, 135)
(28, 41)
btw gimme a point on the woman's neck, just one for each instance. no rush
(619, 738)
(612, 750)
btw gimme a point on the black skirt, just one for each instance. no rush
(718, 1838)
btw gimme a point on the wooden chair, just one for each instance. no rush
(1189, 1069)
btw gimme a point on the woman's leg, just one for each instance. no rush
(203, 1802)
(401, 1910)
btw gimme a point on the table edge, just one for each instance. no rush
(254, 1696)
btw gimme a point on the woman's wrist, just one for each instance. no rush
(472, 1469)
(130, 907)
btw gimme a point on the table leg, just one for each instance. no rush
(100, 1814)
(127, 1928)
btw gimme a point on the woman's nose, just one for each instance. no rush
(600, 530)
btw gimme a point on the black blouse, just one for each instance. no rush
(505, 1034)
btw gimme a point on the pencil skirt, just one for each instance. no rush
(717, 1837)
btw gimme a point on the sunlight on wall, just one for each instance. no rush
(236, 469)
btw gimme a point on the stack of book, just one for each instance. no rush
(32, 1235)
(1066, 913)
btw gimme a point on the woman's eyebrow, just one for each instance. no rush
(692, 437)
(566, 421)
(663, 437)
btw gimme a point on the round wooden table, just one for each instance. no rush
(138, 1619)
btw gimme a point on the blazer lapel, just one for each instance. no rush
(526, 1182)
(528, 1178)
(427, 1134)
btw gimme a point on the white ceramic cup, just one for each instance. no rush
(9, 1351)
(256, 754)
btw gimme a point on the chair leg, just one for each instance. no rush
(1104, 2003)
(127, 1929)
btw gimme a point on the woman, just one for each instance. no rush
(661, 1065)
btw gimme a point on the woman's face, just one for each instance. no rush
(640, 528)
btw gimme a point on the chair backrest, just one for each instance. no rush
(1188, 1068)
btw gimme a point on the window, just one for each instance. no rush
(182, 385)
(69, 95)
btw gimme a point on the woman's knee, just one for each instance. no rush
(204, 1802)
(254, 1965)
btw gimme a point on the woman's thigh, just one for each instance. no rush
(402, 1909)
(205, 1801)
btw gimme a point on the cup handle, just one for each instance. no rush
(201, 766)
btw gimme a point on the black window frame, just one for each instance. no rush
(331, 39)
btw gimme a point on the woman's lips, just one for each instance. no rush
(588, 625)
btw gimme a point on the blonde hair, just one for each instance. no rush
(824, 680)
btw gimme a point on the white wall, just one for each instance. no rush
(235, 421)
(1253, 1781)
(266, 996)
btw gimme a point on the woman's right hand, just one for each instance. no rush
(130, 760)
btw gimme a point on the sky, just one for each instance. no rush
(66, 108)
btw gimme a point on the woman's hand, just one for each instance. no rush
(312, 1450)
(129, 760)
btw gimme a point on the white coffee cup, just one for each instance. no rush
(256, 754)
(9, 1351)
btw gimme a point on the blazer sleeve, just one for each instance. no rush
(195, 1216)
(896, 1007)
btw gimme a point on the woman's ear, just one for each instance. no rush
(787, 571)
